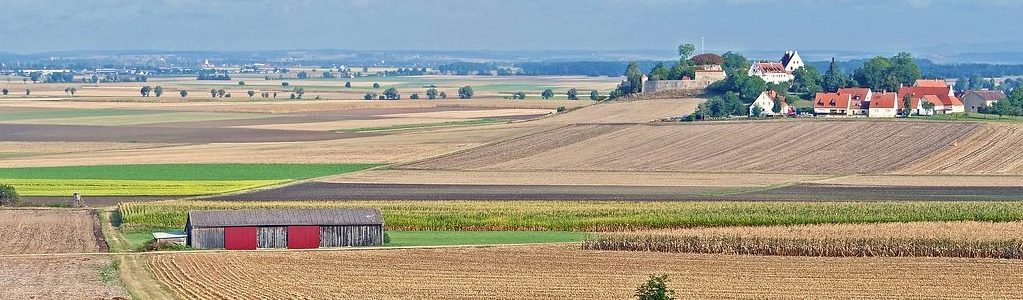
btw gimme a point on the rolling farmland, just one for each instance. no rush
(60, 277)
(566, 272)
(33, 231)
(838, 147)
(995, 149)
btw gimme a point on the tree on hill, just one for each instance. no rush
(251, 93)
(888, 74)
(35, 76)
(414, 96)
(572, 94)
(242, 82)
(635, 78)
(520, 95)
(431, 94)
(28, 92)
(376, 85)
(660, 72)
(348, 84)
(144, 91)
(183, 93)
(707, 59)
(303, 75)
(833, 78)
(213, 92)
(5, 91)
(465, 92)
(221, 93)
(285, 84)
(594, 95)
(547, 94)
(685, 51)
(443, 95)
(158, 90)
(655, 288)
(299, 91)
(807, 80)
(734, 63)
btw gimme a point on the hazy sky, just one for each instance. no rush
(48, 25)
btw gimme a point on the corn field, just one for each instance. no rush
(927, 239)
(597, 216)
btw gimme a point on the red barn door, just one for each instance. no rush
(240, 238)
(303, 237)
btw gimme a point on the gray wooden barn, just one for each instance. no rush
(284, 228)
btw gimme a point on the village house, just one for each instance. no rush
(949, 102)
(884, 105)
(777, 72)
(976, 101)
(831, 104)
(859, 104)
(766, 102)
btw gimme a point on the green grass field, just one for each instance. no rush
(974, 117)
(70, 113)
(162, 179)
(444, 238)
(599, 215)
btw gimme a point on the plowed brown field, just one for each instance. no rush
(58, 277)
(822, 147)
(24, 231)
(994, 149)
(640, 111)
(564, 272)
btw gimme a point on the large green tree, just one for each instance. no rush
(834, 79)
(734, 63)
(685, 51)
(635, 78)
(660, 72)
(807, 80)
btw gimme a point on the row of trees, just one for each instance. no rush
(1012, 106)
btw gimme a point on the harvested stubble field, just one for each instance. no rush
(993, 149)
(34, 231)
(640, 111)
(609, 178)
(597, 215)
(59, 277)
(930, 239)
(812, 147)
(565, 272)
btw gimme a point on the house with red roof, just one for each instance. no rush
(834, 104)
(884, 105)
(859, 104)
(976, 101)
(777, 71)
(930, 83)
(949, 102)
(766, 102)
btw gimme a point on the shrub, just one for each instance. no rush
(561, 109)
(655, 288)
(387, 238)
(153, 245)
(9, 196)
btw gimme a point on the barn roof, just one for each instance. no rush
(284, 217)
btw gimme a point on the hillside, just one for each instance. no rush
(808, 147)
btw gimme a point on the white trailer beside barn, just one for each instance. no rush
(284, 228)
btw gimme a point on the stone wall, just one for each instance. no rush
(702, 80)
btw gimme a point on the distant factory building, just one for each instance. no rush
(284, 228)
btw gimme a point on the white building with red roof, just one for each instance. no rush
(766, 102)
(949, 102)
(832, 104)
(777, 71)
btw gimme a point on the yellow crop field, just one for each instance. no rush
(104, 187)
